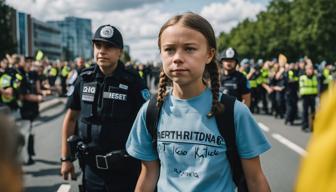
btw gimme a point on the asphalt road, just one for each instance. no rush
(280, 164)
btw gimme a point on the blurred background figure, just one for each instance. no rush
(10, 142)
(308, 88)
(317, 172)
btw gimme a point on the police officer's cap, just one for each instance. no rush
(229, 54)
(110, 35)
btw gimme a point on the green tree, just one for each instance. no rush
(313, 30)
(7, 21)
(295, 28)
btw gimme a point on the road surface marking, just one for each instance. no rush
(64, 188)
(289, 144)
(263, 127)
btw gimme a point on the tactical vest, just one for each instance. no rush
(106, 114)
(229, 85)
(308, 86)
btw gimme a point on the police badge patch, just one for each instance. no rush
(70, 90)
(230, 53)
(106, 32)
(145, 94)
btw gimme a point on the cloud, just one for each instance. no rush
(139, 26)
(224, 16)
(55, 9)
(139, 20)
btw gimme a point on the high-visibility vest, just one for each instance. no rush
(308, 86)
(327, 77)
(260, 79)
(141, 73)
(65, 71)
(265, 75)
(53, 72)
(253, 83)
(5, 82)
(292, 76)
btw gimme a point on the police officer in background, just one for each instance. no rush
(308, 85)
(233, 82)
(106, 99)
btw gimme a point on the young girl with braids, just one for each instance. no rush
(190, 153)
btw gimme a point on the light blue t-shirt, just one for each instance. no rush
(190, 148)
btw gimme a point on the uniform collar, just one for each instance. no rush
(116, 73)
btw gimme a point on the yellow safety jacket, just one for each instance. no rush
(292, 76)
(7, 81)
(53, 72)
(327, 77)
(265, 75)
(65, 71)
(308, 86)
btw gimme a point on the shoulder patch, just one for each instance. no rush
(145, 94)
(71, 90)
(87, 72)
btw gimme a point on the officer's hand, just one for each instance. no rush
(39, 98)
(67, 169)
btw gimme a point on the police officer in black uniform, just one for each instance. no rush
(30, 99)
(233, 82)
(106, 99)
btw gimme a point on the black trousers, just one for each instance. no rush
(263, 97)
(291, 107)
(115, 180)
(308, 109)
(255, 97)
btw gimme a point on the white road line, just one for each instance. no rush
(289, 144)
(64, 188)
(263, 127)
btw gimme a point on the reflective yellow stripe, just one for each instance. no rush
(308, 86)
(65, 71)
(253, 83)
(53, 72)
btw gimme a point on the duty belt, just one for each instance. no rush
(105, 162)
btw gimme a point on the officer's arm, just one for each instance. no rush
(255, 178)
(69, 124)
(32, 98)
(149, 175)
(246, 98)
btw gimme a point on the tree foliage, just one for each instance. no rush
(295, 28)
(7, 42)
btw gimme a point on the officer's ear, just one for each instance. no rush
(121, 51)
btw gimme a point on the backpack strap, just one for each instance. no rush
(225, 123)
(152, 119)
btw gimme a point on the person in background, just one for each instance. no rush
(308, 88)
(233, 82)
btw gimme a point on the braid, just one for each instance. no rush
(214, 80)
(162, 89)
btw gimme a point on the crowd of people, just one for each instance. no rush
(107, 124)
(276, 87)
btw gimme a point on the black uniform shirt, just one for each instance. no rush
(235, 84)
(109, 104)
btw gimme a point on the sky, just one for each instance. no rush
(140, 20)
